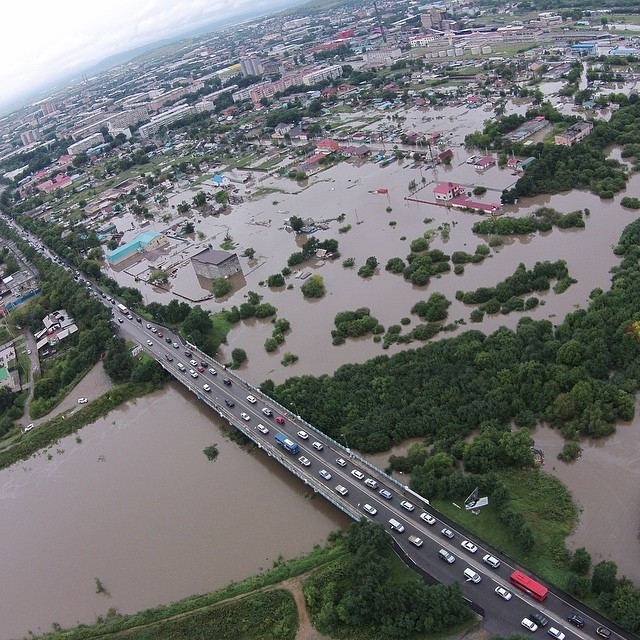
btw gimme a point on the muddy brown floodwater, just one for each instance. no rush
(138, 505)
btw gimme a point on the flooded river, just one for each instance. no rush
(138, 505)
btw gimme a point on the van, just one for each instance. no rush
(471, 575)
(491, 561)
(396, 526)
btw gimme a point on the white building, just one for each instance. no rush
(318, 75)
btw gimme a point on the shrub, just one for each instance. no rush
(365, 271)
(348, 263)
(288, 358)
(270, 345)
(419, 244)
(220, 287)
(275, 280)
(313, 287)
(570, 451)
(395, 265)
(238, 356)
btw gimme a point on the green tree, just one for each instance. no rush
(296, 223)
(313, 287)
(603, 578)
(581, 561)
(238, 356)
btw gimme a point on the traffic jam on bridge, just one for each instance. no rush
(508, 598)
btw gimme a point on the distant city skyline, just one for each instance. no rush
(45, 42)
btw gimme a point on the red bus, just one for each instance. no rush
(529, 585)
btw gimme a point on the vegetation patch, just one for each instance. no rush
(354, 324)
(543, 219)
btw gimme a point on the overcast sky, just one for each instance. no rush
(43, 40)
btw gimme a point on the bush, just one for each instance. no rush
(570, 451)
(630, 203)
(313, 287)
(288, 358)
(265, 310)
(270, 345)
(275, 280)
(348, 263)
(365, 271)
(220, 287)
(419, 244)
(238, 356)
(395, 265)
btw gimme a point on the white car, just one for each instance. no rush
(267, 411)
(305, 462)
(303, 435)
(405, 504)
(325, 474)
(529, 624)
(245, 416)
(341, 462)
(176, 345)
(447, 533)
(213, 372)
(428, 518)
(82, 400)
(150, 343)
(154, 330)
(251, 399)
(193, 374)
(370, 510)
(206, 387)
(504, 594)
(263, 429)
(317, 445)
(357, 474)
(469, 546)
(193, 363)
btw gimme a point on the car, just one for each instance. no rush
(167, 340)
(427, 517)
(82, 400)
(447, 556)
(418, 542)
(358, 475)
(447, 533)
(245, 416)
(130, 317)
(263, 429)
(341, 462)
(150, 343)
(318, 446)
(556, 633)
(539, 618)
(188, 354)
(343, 491)
(154, 330)
(120, 320)
(176, 345)
(227, 382)
(325, 474)
(503, 593)
(251, 399)
(492, 561)
(267, 412)
(193, 374)
(168, 357)
(305, 462)
(160, 334)
(576, 620)
(28, 352)
(137, 318)
(193, 363)
(206, 387)
(369, 509)
(385, 494)
(303, 435)
(200, 369)
(468, 546)
(371, 483)
(603, 632)
(148, 326)
(213, 372)
(405, 504)
(279, 419)
(229, 403)
(529, 624)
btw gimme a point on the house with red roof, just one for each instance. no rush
(327, 146)
(445, 191)
(484, 162)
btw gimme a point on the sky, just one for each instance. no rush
(45, 40)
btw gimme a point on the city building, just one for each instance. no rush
(447, 191)
(213, 263)
(58, 326)
(29, 137)
(84, 144)
(319, 75)
(251, 66)
(145, 241)
(164, 119)
(575, 133)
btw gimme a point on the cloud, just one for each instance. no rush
(44, 41)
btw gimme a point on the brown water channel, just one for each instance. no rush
(137, 505)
